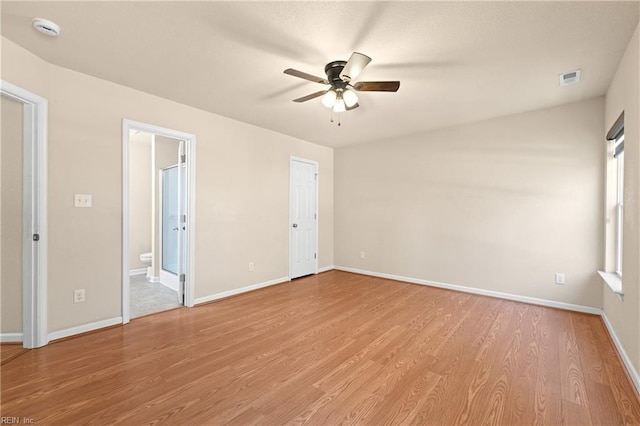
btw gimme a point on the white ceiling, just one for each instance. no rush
(457, 61)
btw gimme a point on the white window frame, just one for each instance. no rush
(619, 205)
(614, 208)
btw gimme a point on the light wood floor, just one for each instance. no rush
(330, 349)
(8, 351)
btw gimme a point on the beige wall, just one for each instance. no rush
(623, 95)
(242, 187)
(166, 155)
(499, 205)
(139, 197)
(11, 216)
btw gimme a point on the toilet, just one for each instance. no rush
(146, 259)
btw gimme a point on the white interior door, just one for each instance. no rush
(303, 218)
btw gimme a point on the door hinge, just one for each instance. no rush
(36, 237)
(315, 216)
(182, 278)
(183, 158)
(184, 218)
(315, 255)
(316, 176)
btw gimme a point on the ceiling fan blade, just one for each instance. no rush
(355, 65)
(377, 86)
(306, 76)
(311, 96)
(353, 107)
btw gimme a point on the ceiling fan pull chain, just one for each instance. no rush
(332, 115)
(339, 122)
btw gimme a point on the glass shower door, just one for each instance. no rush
(170, 220)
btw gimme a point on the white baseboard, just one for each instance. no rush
(67, 332)
(154, 279)
(141, 271)
(623, 354)
(10, 337)
(169, 286)
(326, 268)
(483, 292)
(240, 290)
(168, 280)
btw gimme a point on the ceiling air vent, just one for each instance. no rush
(47, 27)
(571, 77)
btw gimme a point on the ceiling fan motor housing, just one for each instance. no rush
(333, 70)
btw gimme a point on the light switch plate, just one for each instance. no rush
(83, 200)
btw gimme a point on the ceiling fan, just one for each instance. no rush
(340, 75)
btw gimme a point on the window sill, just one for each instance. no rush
(614, 281)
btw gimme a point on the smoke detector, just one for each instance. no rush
(571, 77)
(46, 26)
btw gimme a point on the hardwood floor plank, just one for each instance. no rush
(547, 407)
(627, 401)
(330, 349)
(398, 399)
(478, 373)
(589, 353)
(9, 351)
(571, 372)
(469, 406)
(602, 405)
(320, 411)
(247, 417)
(503, 371)
(381, 343)
(575, 414)
(400, 409)
(520, 400)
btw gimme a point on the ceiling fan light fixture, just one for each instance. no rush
(341, 95)
(329, 99)
(350, 98)
(339, 105)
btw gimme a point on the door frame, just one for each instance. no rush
(316, 165)
(190, 151)
(34, 254)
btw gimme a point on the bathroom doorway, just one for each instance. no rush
(157, 230)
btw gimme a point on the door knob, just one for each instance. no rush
(175, 229)
(295, 225)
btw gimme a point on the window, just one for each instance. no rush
(618, 154)
(612, 275)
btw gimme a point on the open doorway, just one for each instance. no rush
(23, 217)
(11, 221)
(157, 219)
